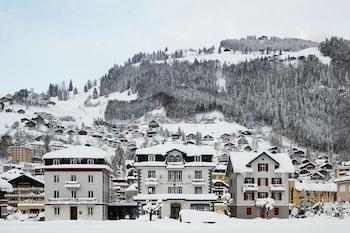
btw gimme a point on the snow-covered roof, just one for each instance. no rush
(342, 179)
(314, 186)
(5, 186)
(11, 174)
(189, 149)
(77, 152)
(77, 166)
(171, 196)
(240, 160)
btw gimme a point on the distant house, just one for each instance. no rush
(21, 111)
(308, 166)
(51, 103)
(175, 136)
(30, 124)
(38, 119)
(23, 120)
(327, 166)
(190, 136)
(343, 188)
(82, 132)
(153, 124)
(248, 148)
(8, 110)
(71, 132)
(304, 172)
(246, 132)
(59, 131)
(316, 176)
(151, 133)
(208, 138)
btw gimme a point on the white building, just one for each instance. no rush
(254, 176)
(177, 174)
(76, 184)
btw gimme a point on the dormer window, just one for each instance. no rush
(90, 161)
(56, 161)
(73, 161)
(174, 159)
(151, 158)
(197, 158)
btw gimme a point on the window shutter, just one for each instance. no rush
(253, 196)
(267, 167)
(253, 179)
(259, 168)
(267, 181)
(280, 196)
(258, 181)
(245, 196)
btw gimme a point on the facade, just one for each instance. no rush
(313, 192)
(343, 188)
(342, 170)
(177, 174)
(259, 175)
(5, 187)
(20, 154)
(77, 184)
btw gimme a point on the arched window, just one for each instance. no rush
(174, 158)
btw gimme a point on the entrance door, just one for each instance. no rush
(262, 213)
(73, 213)
(174, 210)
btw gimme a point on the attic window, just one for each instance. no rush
(174, 158)
(73, 161)
(197, 158)
(56, 161)
(151, 158)
(90, 161)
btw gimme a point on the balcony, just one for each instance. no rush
(151, 181)
(198, 182)
(249, 188)
(72, 184)
(278, 187)
(90, 200)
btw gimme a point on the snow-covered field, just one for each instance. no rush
(310, 225)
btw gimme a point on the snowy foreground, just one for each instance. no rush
(309, 225)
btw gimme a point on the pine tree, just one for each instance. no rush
(75, 92)
(86, 89)
(70, 88)
(95, 94)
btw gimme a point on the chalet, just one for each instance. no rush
(246, 133)
(51, 103)
(38, 119)
(191, 142)
(325, 173)
(123, 140)
(263, 38)
(30, 124)
(71, 132)
(223, 158)
(299, 153)
(49, 125)
(220, 188)
(219, 172)
(327, 166)
(82, 132)
(5, 187)
(150, 133)
(38, 138)
(190, 136)
(2, 106)
(304, 172)
(96, 135)
(229, 146)
(8, 110)
(208, 138)
(242, 141)
(343, 188)
(248, 148)
(21, 111)
(305, 161)
(153, 124)
(225, 136)
(60, 127)
(175, 136)
(295, 162)
(59, 131)
(275, 149)
(308, 166)
(24, 120)
(316, 176)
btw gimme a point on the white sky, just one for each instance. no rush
(50, 41)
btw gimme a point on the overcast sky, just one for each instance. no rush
(50, 41)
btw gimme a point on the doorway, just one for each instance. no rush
(175, 210)
(73, 213)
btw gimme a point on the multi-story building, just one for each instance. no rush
(177, 174)
(343, 188)
(342, 169)
(77, 184)
(254, 176)
(21, 153)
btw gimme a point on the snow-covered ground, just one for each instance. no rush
(309, 225)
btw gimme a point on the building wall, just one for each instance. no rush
(99, 212)
(343, 191)
(241, 212)
(20, 154)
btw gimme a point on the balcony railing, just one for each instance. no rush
(73, 200)
(249, 187)
(278, 187)
(198, 182)
(151, 181)
(72, 184)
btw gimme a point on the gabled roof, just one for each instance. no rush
(240, 160)
(189, 149)
(77, 152)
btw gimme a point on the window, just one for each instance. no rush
(73, 178)
(56, 179)
(174, 158)
(276, 180)
(152, 174)
(262, 194)
(197, 158)
(248, 196)
(263, 167)
(56, 194)
(90, 211)
(198, 174)
(276, 211)
(249, 180)
(276, 196)
(90, 178)
(263, 182)
(176, 190)
(90, 194)
(56, 161)
(198, 190)
(151, 158)
(74, 194)
(90, 161)
(57, 211)
(73, 161)
(151, 190)
(249, 211)
(342, 188)
(175, 176)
